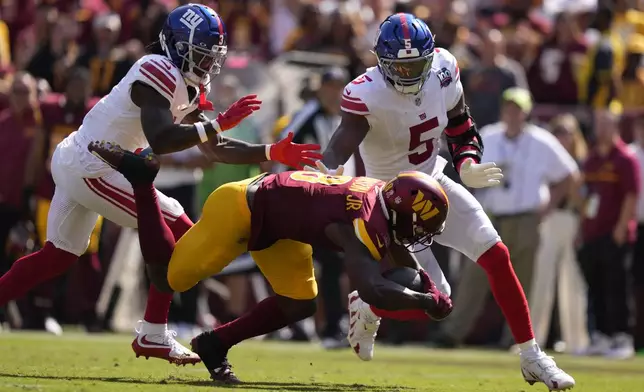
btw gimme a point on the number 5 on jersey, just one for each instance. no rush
(416, 142)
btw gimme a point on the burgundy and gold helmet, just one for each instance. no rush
(417, 207)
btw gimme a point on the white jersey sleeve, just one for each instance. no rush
(449, 76)
(355, 97)
(160, 74)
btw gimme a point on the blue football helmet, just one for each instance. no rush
(194, 39)
(405, 51)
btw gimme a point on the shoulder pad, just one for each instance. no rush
(159, 73)
(446, 67)
(354, 96)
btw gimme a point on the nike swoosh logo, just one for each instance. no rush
(347, 91)
(146, 343)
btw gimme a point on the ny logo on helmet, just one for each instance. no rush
(424, 207)
(191, 19)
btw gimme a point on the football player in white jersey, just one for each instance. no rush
(145, 110)
(396, 113)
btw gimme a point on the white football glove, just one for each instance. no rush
(475, 175)
(325, 170)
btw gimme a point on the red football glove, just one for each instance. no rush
(238, 111)
(443, 302)
(293, 155)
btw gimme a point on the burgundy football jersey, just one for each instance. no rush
(299, 205)
(554, 69)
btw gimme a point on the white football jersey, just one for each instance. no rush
(405, 129)
(116, 119)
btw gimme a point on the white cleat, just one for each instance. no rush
(363, 327)
(542, 368)
(154, 340)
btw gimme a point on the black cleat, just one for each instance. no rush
(136, 168)
(214, 355)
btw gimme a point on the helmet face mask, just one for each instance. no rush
(199, 63)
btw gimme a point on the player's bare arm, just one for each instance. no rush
(346, 139)
(165, 136)
(158, 124)
(366, 276)
(399, 256)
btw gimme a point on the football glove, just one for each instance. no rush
(475, 175)
(238, 111)
(321, 167)
(291, 154)
(442, 305)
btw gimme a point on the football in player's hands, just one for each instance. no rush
(405, 276)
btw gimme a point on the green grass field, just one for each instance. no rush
(77, 362)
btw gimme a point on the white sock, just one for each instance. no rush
(153, 329)
(529, 348)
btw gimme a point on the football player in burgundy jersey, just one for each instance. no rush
(277, 217)
(396, 113)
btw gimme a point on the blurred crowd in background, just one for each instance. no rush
(582, 63)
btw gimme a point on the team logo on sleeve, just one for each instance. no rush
(444, 77)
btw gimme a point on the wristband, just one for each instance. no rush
(268, 152)
(201, 130)
(215, 124)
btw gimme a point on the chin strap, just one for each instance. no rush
(204, 104)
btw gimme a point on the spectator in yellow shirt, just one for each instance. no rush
(603, 70)
(631, 95)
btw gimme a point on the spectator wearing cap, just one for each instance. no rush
(315, 122)
(608, 230)
(537, 175)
